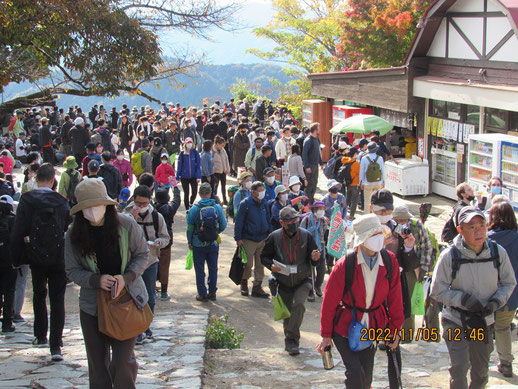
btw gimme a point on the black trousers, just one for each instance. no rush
(221, 178)
(191, 183)
(211, 183)
(358, 365)
(105, 371)
(48, 154)
(7, 288)
(55, 277)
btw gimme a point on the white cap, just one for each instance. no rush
(342, 145)
(365, 226)
(294, 180)
(79, 121)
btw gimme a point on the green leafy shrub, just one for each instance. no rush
(219, 335)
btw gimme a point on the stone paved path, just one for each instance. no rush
(173, 359)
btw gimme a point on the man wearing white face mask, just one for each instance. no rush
(270, 183)
(281, 201)
(252, 226)
(317, 224)
(245, 183)
(41, 220)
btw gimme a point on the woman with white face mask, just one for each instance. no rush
(245, 183)
(298, 198)
(105, 251)
(281, 201)
(374, 280)
(189, 172)
(124, 167)
(317, 224)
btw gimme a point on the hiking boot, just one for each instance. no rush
(291, 347)
(311, 296)
(318, 291)
(212, 296)
(8, 328)
(506, 369)
(39, 341)
(56, 355)
(164, 296)
(140, 338)
(149, 333)
(244, 288)
(257, 291)
(202, 299)
(18, 319)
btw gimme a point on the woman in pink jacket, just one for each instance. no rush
(124, 167)
(164, 173)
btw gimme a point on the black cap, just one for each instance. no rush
(382, 198)
(268, 170)
(466, 214)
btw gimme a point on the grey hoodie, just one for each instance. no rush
(477, 279)
(79, 271)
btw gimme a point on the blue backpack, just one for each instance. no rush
(209, 225)
(329, 170)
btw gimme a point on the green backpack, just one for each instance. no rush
(230, 206)
(136, 163)
(373, 173)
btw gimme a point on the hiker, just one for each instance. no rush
(312, 158)
(362, 282)
(124, 167)
(121, 258)
(295, 165)
(168, 211)
(317, 224)
(205, 222)
(240, 147)
(42, 217)
(270, 183)
(189, 172)
(252, 226)
(503, 230)
(291, 246)
(334, 197)
(252, 155)
(221, 167)
(245, 183)
(372, 172)
(111, 175)
(280, 201)
(157, 237)
(283, 146)
(297, 197)
(472, 279)
(465, 198)
(141, 161)
(69, 180)
(8, 273)
(164, 174)
(349, 176)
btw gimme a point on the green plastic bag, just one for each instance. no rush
(172, 158)
(418, 299)
(189, 261)
(243, 254)
(280, 310)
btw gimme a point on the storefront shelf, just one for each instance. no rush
(513, 162)
(510, 172)
(481, 153)
(481, 167)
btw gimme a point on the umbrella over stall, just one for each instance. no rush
(364, 124)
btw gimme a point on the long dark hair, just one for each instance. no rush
(502, 215)
(80, 234)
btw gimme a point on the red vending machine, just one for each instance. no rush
(342, 112)
(319, 111)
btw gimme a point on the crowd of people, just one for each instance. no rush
(107, 225)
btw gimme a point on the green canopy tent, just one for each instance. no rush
(364, 124)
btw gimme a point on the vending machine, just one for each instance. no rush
(494, 155)
(319, 111)
(509, 170)
(342, 112)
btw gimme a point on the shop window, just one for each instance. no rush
(513, 122)
(473, 114)
(438, 109)
(453, 110)
(495, 119)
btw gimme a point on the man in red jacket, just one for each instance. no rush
(374, 291)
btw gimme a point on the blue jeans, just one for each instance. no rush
(149, 277)
(207, 254)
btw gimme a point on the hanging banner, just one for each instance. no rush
(420, 147)
(336, 245)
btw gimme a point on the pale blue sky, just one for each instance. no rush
(229, 47)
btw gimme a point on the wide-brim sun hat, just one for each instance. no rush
(401, 211)
(366, 226)
(91, 193)
(318, 204)
(333, 183)
(294, 180)
(70, 162)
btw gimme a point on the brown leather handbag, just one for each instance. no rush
(120, 318)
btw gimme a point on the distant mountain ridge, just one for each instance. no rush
(210, 81)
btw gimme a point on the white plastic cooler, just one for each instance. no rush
(408, 177)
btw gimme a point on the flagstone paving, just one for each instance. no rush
(172, 359)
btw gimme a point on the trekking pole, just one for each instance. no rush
(396, 367)
(313, 278)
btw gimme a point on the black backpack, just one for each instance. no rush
(6, 226)
(209, 225)
(344, 174)
(46, 238)
(154, 223)
(71, 190)
(110, 181)
(350, 264)
(457, 260)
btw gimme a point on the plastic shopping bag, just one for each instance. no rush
(189, 261)
(243, 254)
(418, 299)
(280, 310)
